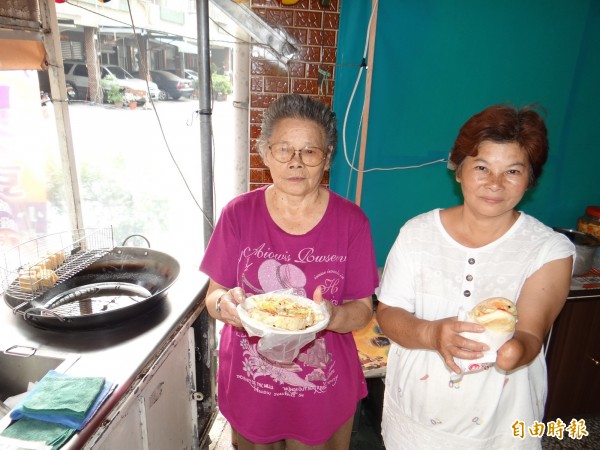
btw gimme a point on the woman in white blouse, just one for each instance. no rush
(450, 258)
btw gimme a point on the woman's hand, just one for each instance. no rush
(222, 303)
(541, 299)
(350, 316)
(514, 352)
(444, 337)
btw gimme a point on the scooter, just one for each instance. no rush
(71, 95)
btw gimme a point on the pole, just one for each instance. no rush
(366, 106)
(205, 114)
(58, 90)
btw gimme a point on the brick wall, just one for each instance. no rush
(315, 28)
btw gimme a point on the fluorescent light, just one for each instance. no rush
(278, 40)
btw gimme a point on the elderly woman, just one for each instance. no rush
(293, 234)
(446, 259)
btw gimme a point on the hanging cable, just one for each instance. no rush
(349, 162)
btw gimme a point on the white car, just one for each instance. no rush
(77, 74)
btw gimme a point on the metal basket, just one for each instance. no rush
(80, 248)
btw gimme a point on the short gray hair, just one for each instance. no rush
(295, 106)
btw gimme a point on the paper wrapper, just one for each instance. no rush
(276, 344)
(493, 339)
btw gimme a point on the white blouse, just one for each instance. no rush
(431, 275)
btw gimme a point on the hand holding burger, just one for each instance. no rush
(499, 316)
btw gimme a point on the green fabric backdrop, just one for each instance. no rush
(439, 62)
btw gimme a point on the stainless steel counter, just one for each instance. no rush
(118, 352)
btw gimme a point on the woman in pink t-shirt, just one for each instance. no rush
(293, 234)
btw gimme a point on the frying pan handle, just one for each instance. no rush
(135, 235)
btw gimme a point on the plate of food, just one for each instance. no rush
(284, 321)
(280, 312)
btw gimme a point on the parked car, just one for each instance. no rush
(188, 74)
(171, 85)
(76, 73)
(191, 74)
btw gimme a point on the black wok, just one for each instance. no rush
(124, 283)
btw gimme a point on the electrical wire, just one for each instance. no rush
(359, 76)
(183, 178)
(187, 186)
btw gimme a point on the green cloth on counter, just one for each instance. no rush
(71, 396)
(27, 429)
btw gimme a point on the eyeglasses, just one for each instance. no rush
(284, 152)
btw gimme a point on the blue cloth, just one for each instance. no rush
(93, 397)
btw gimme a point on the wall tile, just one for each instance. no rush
(321, 37)
(316, 4)
(254, 131)
(305, 86)
(299, 34)
(256, 84)
(279, 17)
(276, 84)
(261, 101)
(314, 29)
(329, 55)
(313, 70)
(310, 54)
(297, 69)
(256, 161)
(308, 19)
(256, 116)
(262, 67)
(256, 175)
(332, 21)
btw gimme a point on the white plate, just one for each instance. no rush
(257, 328)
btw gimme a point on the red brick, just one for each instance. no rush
(261, 101)
(256, 116)
(256, 84)
(299, 35)
(256, 161)
(304, 86)
(278, 85)
(316, 4)
(256, 175)
(308, 19)
(329, 55)
(279, 17)
(255, 131)
(313, 70)
(297, 69)
(320, 37)
(332, 21)
(310, 54)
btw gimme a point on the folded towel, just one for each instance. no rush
(37, 431)
(64, 399)
(63, 395)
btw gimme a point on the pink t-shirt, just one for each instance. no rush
(311, 398)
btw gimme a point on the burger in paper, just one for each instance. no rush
(499, 317)
(285, 322)
(497, 314)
